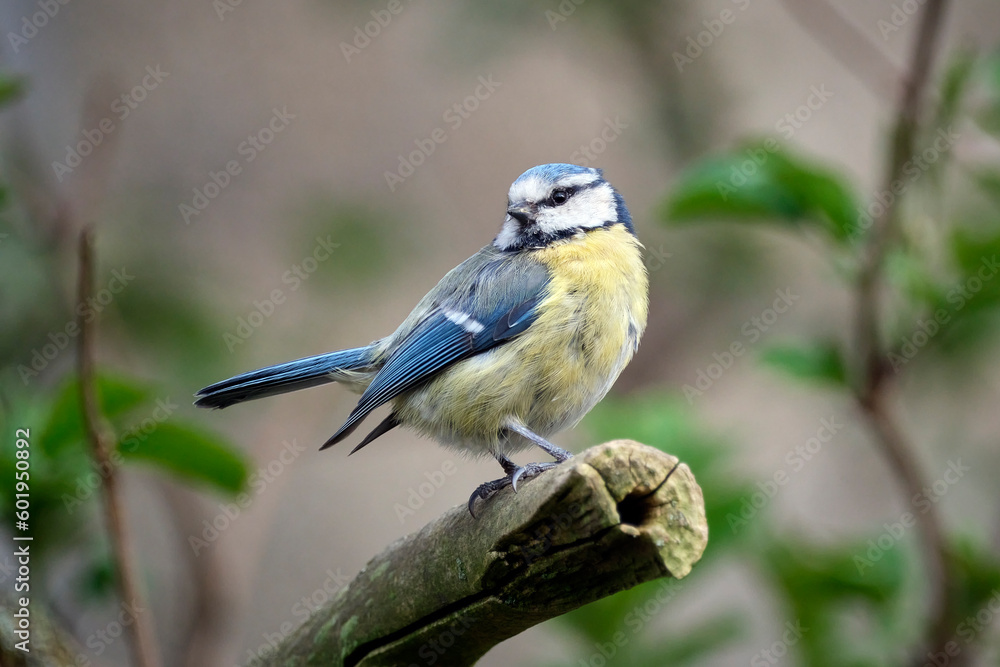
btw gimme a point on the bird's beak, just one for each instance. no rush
(520, 212)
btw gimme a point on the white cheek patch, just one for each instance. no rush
(585, 210)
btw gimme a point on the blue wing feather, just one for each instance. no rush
(517, 320)
(438, 341)
(282, 378)
(427, 350)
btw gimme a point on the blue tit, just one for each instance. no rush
(515, 344)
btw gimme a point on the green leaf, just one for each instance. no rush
(977, 575)
(191, 454)
(116, 396)
(694, 645)
(960, 312)
(910, 272)
(954, 85)
(824, 585)
(820, 362)
(599, 620)
(97, 581)
(622, 621)
(977, 257)
(988, 116)
(988, 180)
(761, 182)
(11, 87)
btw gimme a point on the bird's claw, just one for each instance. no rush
(486, 490)
(514, 476)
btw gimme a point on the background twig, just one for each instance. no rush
(860, 56)
(102, 441)
(871, 392)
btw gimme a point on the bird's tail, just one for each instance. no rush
(344, 365)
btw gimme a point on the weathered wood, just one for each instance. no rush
(611, 518)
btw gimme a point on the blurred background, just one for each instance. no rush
(272, 181)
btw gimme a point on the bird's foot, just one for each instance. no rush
(515, 474)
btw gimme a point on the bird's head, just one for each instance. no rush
(555, 201)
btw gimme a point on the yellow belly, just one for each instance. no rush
(587, 330)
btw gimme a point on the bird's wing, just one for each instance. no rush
(486, 308)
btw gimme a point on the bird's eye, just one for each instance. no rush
(560, 197)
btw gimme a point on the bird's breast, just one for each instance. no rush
(597, 302)
(587, 329)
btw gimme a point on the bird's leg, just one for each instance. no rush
(516, 473)
(508, 466)
(558, 453)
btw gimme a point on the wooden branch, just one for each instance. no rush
(142, 639)
(611, 518)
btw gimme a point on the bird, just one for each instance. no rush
(512, 346)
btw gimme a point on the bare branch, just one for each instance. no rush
(873, 372)
(102, 441)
